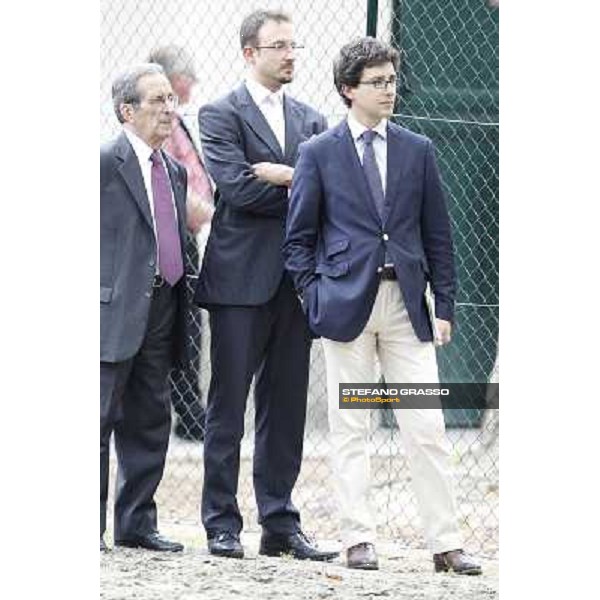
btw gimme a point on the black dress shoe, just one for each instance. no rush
(295, 544)
(103, 546)
(226, 543)
(151, 541)
(457, 561)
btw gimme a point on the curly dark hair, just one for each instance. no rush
(357, 55)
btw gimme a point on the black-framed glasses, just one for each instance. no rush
(280, 45)
(380, 84)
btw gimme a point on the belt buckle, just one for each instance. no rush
(388, 273)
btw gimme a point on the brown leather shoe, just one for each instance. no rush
(456, 560)
(362, 556)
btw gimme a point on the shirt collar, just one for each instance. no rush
(357, 129)
(260, 93)
(141, 149)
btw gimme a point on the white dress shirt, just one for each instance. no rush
(379, 144)
(270, 105)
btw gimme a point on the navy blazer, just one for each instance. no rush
(336, 241)
(243, 262)
(128, 252)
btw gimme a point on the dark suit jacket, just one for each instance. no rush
(128, 252)
(243, 264)
(336, 240)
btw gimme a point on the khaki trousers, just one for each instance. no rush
(389, 337)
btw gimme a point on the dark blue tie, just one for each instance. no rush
(372, 171)
(374, 178)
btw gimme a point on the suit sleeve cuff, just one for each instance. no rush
(444, 310)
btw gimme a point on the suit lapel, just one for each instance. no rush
(179, 194)
(396, 166)
(293, 121)
(257, 122)
(132, 174)
(355, 174)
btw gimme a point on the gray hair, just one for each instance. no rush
(174, 60)
(255, 20)
(125, 86)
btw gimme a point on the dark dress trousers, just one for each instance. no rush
(257, 324)
(142, 335)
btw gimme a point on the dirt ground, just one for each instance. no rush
(127, 574)
(406, 569)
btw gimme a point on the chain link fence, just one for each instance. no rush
(448, 90)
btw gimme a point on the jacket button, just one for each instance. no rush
(380, 269)
(148, 294)
(385, 237)
(151, 263)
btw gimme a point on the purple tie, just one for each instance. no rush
(170, 262)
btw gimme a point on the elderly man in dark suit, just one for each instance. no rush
(142, 301)
(367, 229)
(250, 138)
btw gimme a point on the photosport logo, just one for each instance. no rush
(423, 395)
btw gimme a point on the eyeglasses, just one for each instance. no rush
(280, 46)
(380, 84)
(170, 101)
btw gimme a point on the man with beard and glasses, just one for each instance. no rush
(250, 139)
